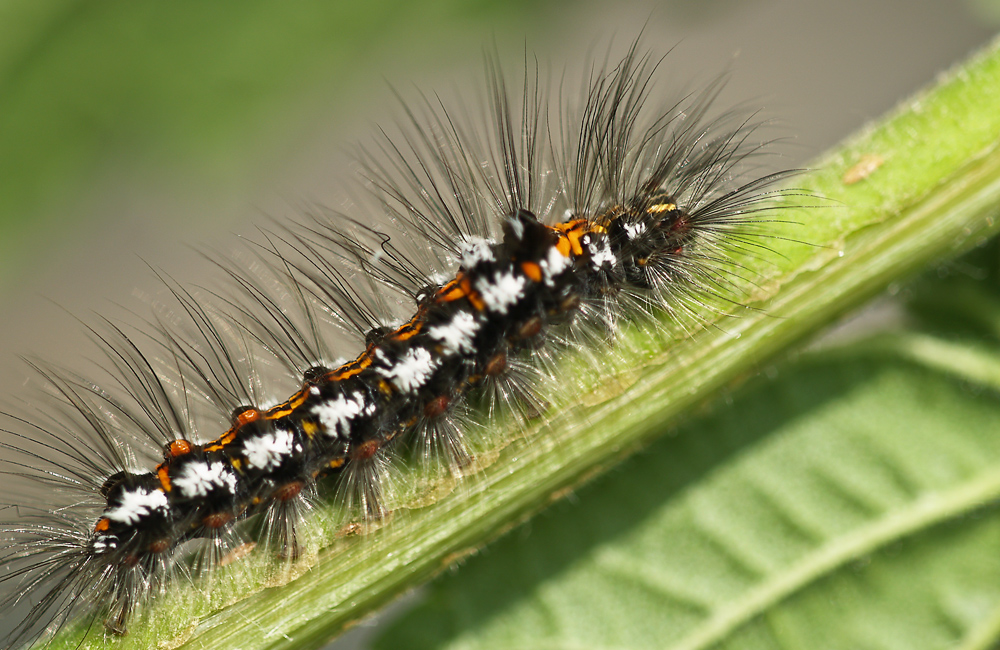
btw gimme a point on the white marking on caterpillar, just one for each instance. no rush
(635, 230)
(136, 504)
(197, 479)
(458, 334)
(553, 264)
(335, 415)
(268, 450)
(601, 255)
(501, 291)
(412, 371)
(475, 250)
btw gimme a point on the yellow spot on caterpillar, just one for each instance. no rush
(661, 207)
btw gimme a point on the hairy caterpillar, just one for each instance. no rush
(500, 247)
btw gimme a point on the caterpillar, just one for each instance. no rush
(491, 250)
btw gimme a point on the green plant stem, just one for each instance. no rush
(935, 195)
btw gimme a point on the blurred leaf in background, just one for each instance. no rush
(204, 92)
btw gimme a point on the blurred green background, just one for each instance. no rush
(131, 130)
